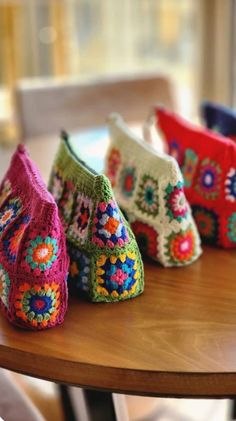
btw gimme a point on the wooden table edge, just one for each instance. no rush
(113, 379)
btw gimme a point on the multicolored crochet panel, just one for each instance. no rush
(208, 162)
(149, 188)
(105, 261)
(33, 256)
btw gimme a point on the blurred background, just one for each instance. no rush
(64, 39)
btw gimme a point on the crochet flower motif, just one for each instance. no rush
(37, 305)
(5, 191)
(79, 228)
(176, 203)
(232, 227)
(13, 238)
(181, 246)
(127, 181)
(174, 150)
(56, 184)
(117, 275)
(4, 286)
(230, 185)
(79, 270)
(109, 229)
(147, 200)
(113, 163)
(9, 212)
(208, 183)
(146, 238)
(189, 167)
(41, 253)
(207, 223)
(66, 202)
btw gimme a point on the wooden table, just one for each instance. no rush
(177, 339)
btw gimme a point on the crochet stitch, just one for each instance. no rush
(149, 188)
(209, 170)
(105, 261)
(33, 256)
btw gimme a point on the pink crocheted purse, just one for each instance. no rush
(33, 257)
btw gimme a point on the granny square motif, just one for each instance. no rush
(208, 162)
(105, 261)
(149, 188)
(33, 256)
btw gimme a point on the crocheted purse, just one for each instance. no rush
(33, 257)
(105, 260)
(208, 162)
(149, 188)
(219, 118)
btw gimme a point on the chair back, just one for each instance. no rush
(47, 106)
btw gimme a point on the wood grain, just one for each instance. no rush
(177, 339)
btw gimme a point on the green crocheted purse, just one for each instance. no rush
(105, 261)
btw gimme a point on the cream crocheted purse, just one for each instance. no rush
(149, 188)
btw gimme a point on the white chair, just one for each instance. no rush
(45, 106)
(15, 405)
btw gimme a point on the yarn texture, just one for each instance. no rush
(33, 257)
(208, 162)
(149, 188)
(105, 261)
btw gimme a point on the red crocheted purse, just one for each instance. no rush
(208, 163)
